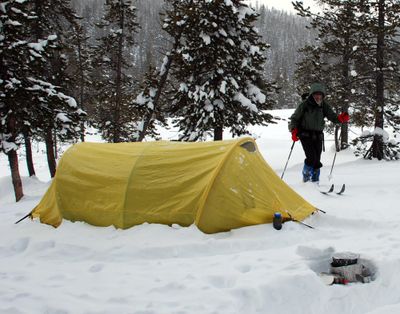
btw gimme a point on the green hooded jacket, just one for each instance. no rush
(309, 115)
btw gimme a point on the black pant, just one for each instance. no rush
(312, 146)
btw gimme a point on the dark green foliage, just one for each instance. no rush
(53, 109)
(331, 58)
(14, 57)
(148, 103)
(218, 67)
(364, 145)
(354, 56)
(79, 70)
(114, 86)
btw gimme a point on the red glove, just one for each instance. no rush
(343, 117)
(294, 135)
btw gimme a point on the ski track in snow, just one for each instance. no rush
(78, 268)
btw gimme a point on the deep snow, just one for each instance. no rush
(78, 268)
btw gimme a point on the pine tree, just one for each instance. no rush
(339, 33)
(53, 112)
(357, 39)
(80, 68)
(115, 114)
(218, 67)
(148, 102)
(286, 34)
(383, 24)
(14, 56)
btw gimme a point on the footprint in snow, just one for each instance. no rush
(96, 268)
(244, 268)
(45, 245)
(20, 245)
(222, 282)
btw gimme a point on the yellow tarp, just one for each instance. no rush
(216, 185)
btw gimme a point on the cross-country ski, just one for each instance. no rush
(331, 190)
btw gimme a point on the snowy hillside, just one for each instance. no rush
(78, 268)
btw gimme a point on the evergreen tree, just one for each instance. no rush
(14, 57)
(218, 67)
(151, 40)
(334, 55)
(285, 33)
(53, 112)
(112, 60)
(79, 69)
(357, 42)
(148, 103)
(381, 48)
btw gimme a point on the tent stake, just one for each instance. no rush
(26, 216)
(300, 222)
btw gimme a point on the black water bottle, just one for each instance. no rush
(277, 221)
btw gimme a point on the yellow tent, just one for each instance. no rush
(216, 185)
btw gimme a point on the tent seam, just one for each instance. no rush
(146, 146)
(204, 197)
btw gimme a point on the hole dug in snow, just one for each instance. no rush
(338, 267)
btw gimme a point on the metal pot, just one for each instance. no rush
(344, 259)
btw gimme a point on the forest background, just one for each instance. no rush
(285, 33)
(128, 67)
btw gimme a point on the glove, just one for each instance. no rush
(294, 135)
(343, 117)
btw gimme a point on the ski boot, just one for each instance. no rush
(315, 175)
(307, 173)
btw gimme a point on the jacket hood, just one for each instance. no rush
(317, 87)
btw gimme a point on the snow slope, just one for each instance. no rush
(78, 268)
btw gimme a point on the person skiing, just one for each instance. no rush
(307, 124)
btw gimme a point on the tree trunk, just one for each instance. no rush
(29, 158)
(13, 161)
(161, 84)
(51, 160)
(55, 145)
(81, 84)
(82, 131)
(38, 9)
(16, 178)
(337, 139)
(118, 84)
(218, 132)
(344, 129)
(148, 117)
(377, 144)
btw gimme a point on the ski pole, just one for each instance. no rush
(334, 157)
(333, 163)
(290, 153)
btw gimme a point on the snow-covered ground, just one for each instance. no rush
(79, 268)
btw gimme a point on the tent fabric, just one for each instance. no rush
(218, 186)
